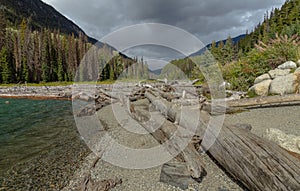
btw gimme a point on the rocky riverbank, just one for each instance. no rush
(285, 79)
(216, 178)
(60, 92)
(36, 92)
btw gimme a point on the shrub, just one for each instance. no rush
(277, 51)
(264, 57)
(239, 75)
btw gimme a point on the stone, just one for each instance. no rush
(287, 141)
(283, 85)
(246, 127)
(177, 174)
(288, 65)
(278, 72)
(262, 88)
(262, 78)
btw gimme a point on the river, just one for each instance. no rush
(40, 145)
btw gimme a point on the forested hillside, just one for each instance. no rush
(35, 56)
(50, 56)
(40, 15)
(270, 44)
(35, 47)
(283, 21)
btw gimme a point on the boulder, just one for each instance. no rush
(261, 88)
(283, 85)
(262, 78)
(278, 72)
(289, 142)
(244, 126)
(288, 65)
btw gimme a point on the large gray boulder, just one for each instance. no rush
(262, 78)
(289, 142)
(262, 88)
(278, 72)
(288, 65)
(283, 85)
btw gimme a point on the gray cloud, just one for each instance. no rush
(207, 19)
(200, 17)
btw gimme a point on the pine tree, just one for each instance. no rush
(6, 72)
(228, 51)
(2, 29)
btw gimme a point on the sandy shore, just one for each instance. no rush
(283, 118)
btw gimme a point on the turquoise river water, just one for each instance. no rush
(40, 147)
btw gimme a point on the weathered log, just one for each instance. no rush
(168, 96)
(107, 94)
(136, 98)
(221, 109)
(257, 163)
(190, 155)
(265, 101)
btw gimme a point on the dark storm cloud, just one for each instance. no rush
(207, 19)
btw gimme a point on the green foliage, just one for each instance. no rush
(275, 52)
(264, 57)
(239, 75)
(262, 49)
(45, 72)
(292, 29)
(283, 21)
(180, 69)
(60, 70)
(5, 67)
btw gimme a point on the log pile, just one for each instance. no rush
(93, 103)
(255, 162)
(244, 155)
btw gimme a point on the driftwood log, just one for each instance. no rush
(265, 101)
(190, 155)
(257, 163)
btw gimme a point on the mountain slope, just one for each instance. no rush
(40, 14)
(235, 40)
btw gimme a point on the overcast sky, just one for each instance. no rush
(206, 19)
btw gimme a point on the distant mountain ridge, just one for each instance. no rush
(235, 40)
(41, 16)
